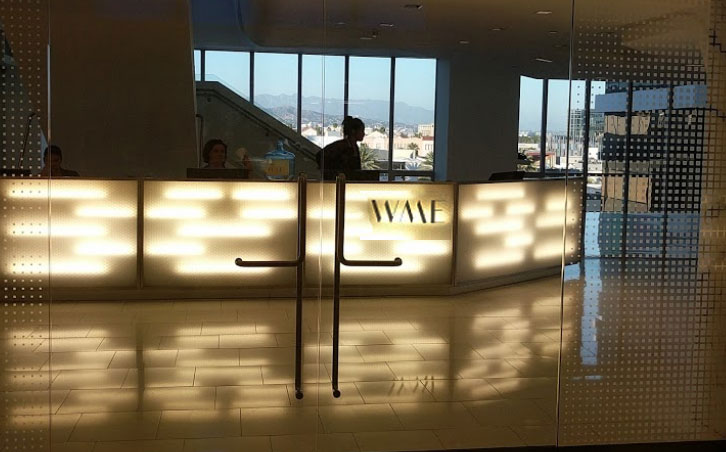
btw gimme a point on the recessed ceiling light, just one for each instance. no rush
(553, 32)
(340, 23)
(386, 24)
(544, 12)
(543, 60)
(497, 29)
(366, 38)
(413, 6)
(464, 42)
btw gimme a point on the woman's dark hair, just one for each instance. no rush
(351, 124)
(209, 145)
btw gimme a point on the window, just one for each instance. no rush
(530, 124)
(369, 99)
(323, 86)
(197, 65)
(276, 86)
(558, 96)
(232, 69)
(413, 125)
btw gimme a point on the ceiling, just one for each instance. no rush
(505, 33)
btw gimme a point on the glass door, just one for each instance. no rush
(184, 318)
(442, 265)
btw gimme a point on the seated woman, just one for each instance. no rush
(52, 161)
(343, 156)
(214, 154)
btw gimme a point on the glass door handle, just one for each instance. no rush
(299, 264)
(341, 260)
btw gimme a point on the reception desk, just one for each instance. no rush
(112, 238)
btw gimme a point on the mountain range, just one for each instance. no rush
(371, 110)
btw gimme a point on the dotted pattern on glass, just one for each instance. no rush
(25, 381)
(643, 340)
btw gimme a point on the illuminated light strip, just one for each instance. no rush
(498, 259)
(105, 212)
(268, 213)
(176, 249)
(81, 268)
(212, 230)
(549, 250)
(515, 241)
(176, 212)
(222, 268)
(329, 214)
(556, 205)
(520, 209)
(246, 194)
(328, 249)
(69, 230)
(58, 193)
(423, 248)
(550, 221)
(477, 212)
(391, 236)
(407, 267)
(492, 193)
(193, 193)
(105, 249)
(498, 226)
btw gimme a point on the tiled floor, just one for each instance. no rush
(416, 373)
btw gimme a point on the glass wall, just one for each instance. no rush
(230, 68)
(276, 86)
(323, 98)
(530, 124)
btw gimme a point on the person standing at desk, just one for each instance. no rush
(343, 156)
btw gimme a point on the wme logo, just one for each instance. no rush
(408, 211)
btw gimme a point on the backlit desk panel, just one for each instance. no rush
(156, 235)
(91, 232)
(516, 227)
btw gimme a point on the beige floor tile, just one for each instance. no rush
(199, 424)
(309, 339)
(163, 445)
(481, 437)
(100, 401)
(71, 344)
(280, 375)
(327, 442)
(393, 391)
(90, 379)
(355, 372)
(116, 426)
(386, 324)
(485, 368)
(537, 435)
(322, 394)
(535, 367)
(79, 360)
(279, 421)
(35, 402)
(462, 389)
(433, 415)
(149, 358)
(247, 340)
(436, 352)
(236, 444)
(168, 327)
(184, 398)
(525, 388)
(503, 350)
(208, 358)
(508, 413)
(61, 425)
(188, 342)
(364, 338)
(423, 370)
(129, 343)
(404, 440)
(347, 354)
(359, 418)
(266, 356)
(160, 377)
(251, 396)
(274, 325)
(73, 447)
(414, 337)
(227, 376)
(381, 353)
(228, 328)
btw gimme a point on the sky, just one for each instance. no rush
(369, 77)
(370, 80)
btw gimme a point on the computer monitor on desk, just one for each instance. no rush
(222, 173)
